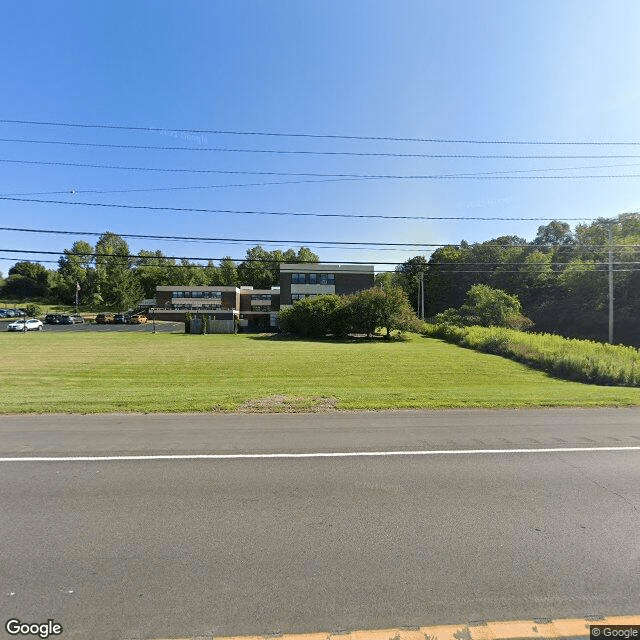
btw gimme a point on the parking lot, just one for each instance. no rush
(161, 327)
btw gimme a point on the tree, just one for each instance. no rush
(537, 269)
(211, 274)
(116, 281)
(385, 279)
(33, 270)
(386, 308)
(555, 233)
(228, 272)
(26, 280)
(408, 276)
(189, 274)
(153, 269)
(76, 267)
(486, 307)
(304, 255)
(261, 268)
(315, 317)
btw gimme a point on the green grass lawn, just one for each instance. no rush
(81, 372)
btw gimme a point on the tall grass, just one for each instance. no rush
(576, 360)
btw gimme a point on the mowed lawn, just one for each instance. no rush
(85, 372)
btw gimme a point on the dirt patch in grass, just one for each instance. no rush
(287, 404)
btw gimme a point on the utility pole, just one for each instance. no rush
(610, 286)
(422, 289)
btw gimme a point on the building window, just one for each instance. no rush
(326, 278)
(313, 278)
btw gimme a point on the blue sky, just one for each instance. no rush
(491, 70)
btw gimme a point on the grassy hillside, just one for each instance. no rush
(113, 372)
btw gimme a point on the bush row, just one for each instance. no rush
(576, 360)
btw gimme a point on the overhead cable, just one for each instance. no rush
(453, 271)
(92, 254)
(280, 213)
(152, 189)
(372, 244)
(316, 153)
(486, 175)
(315, 135)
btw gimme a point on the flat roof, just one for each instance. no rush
(193, 288)
(314, 266)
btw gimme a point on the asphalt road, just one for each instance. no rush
(179, 548)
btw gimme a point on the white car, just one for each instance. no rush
(32, 324)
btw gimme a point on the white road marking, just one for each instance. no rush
(339, 454)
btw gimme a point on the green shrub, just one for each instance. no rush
(486, 307)
(386, 308)
(33, 310)
(363, 312)
(315, 317)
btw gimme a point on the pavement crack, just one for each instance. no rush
(602, 486)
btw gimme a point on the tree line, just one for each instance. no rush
(110, 276)
(560, 278)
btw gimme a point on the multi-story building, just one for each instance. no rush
(257, 309)
(299, 281)
(173, 303)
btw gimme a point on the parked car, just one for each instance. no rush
(138, 319)
(120, 318)
(32, 324)
(12, 313)
(104, 318)
(3, 313)
(52, 318)
(71, 319)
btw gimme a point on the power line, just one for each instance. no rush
(487, 175)
(315, 135)
(279, 213)
(529, 273)
(206, 259)
(151, 189)
(178, 266)
(316, 153)
(325, 244)
(351, 244)
(92, 254)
